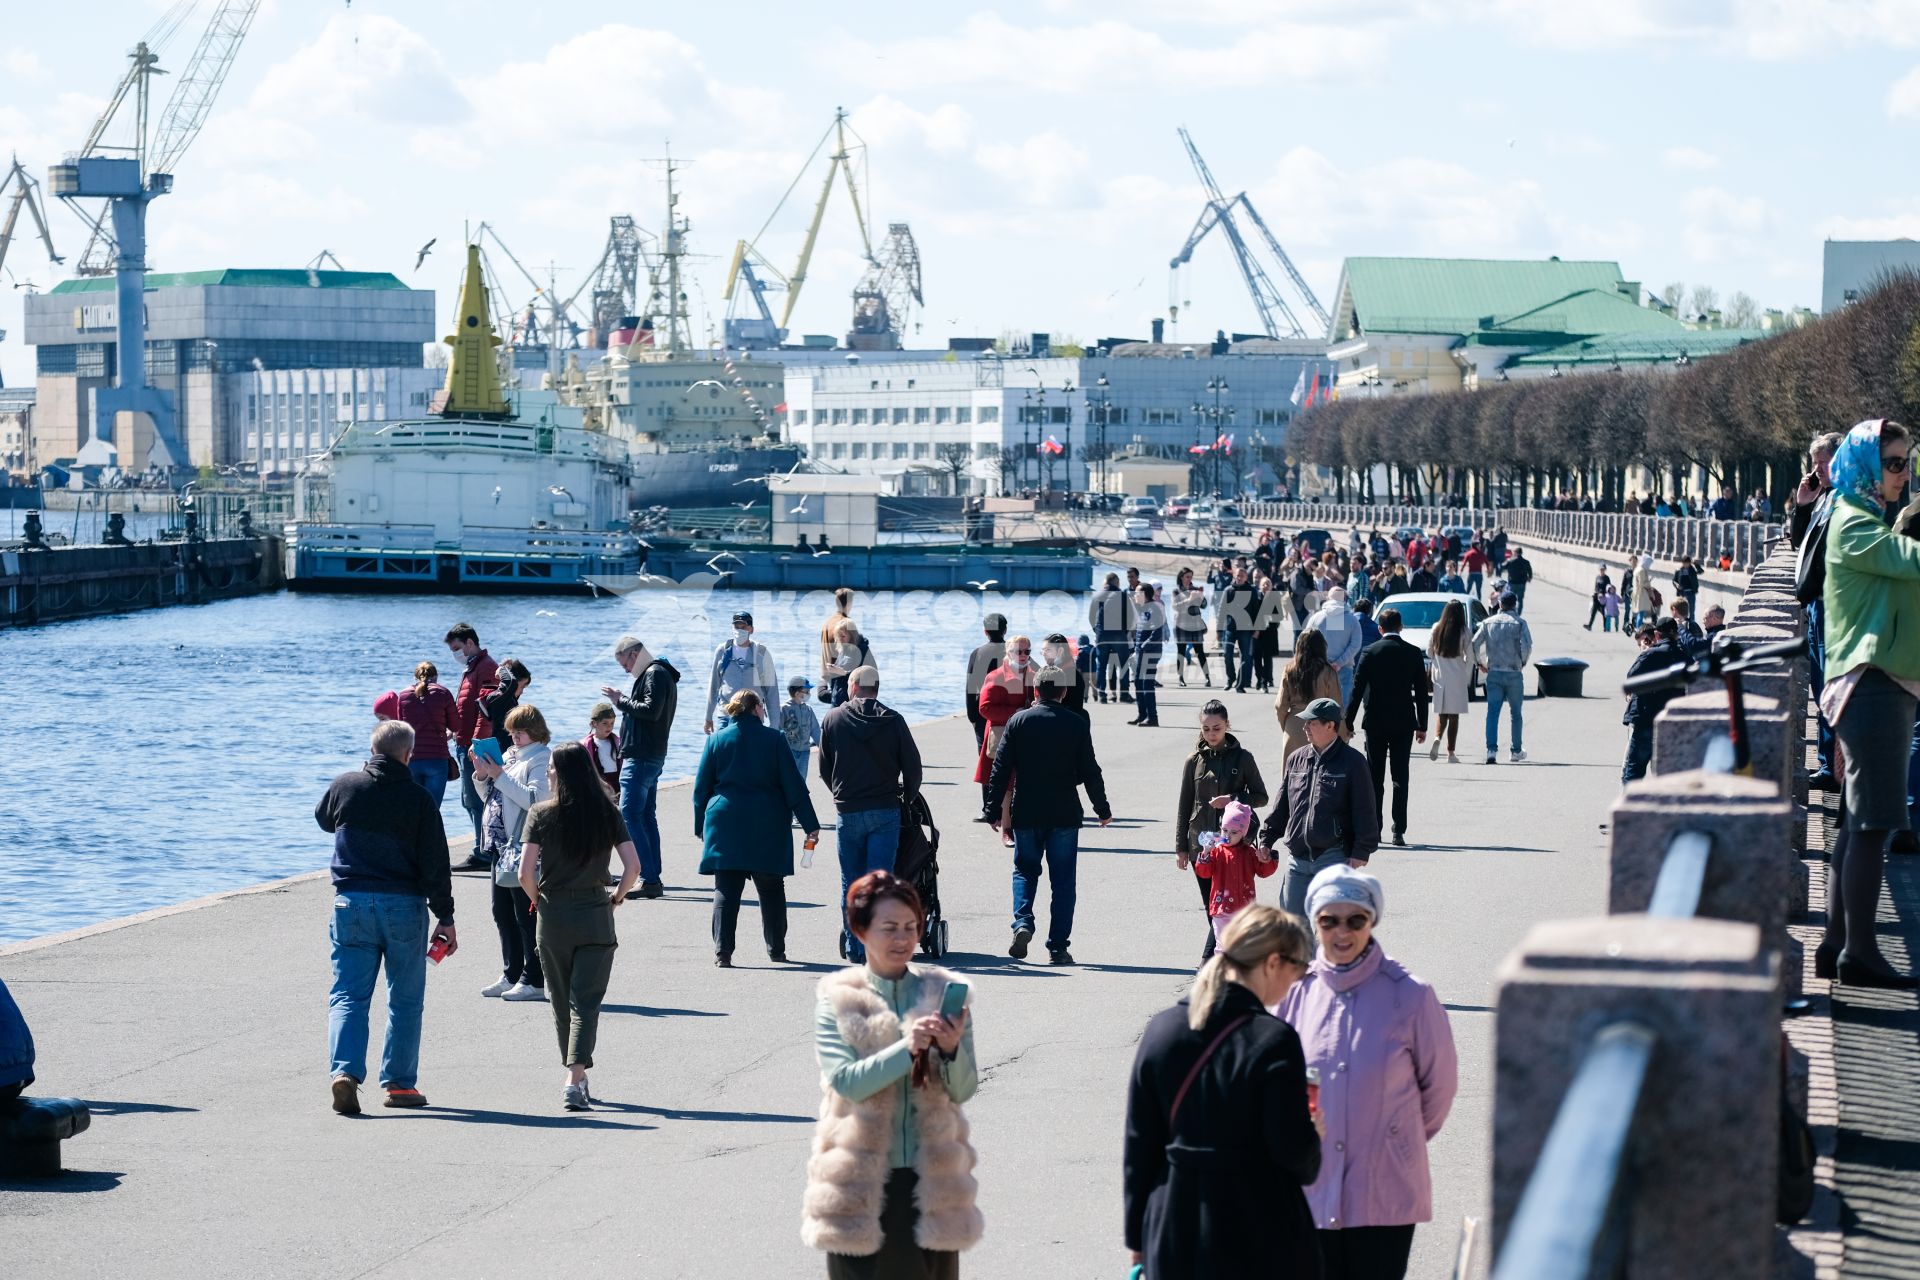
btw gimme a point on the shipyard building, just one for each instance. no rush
(261, 364)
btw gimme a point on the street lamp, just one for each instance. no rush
(1106, 409)
(1217, 419)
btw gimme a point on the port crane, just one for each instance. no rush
(1276, 316)
(887, 290)
(25, 193)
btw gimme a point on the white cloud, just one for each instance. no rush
(369, 67)
(1768, 30)
(1046, 168)
(1721, 226)
(1903, 99)
(23, 64)
(1895, 224)
(1689, 159)
(1105, 55)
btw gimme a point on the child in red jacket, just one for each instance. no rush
(1231, 863)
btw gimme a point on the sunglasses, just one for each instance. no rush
(1022, 652)
(1894, 465)
(1352, 924)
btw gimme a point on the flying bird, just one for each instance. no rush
(496, 495)
(545, 613)
(800, 508)
(744, 506)
(425, 249)
(982, 586)
(714, 564)
(822, 551)
(704, 382)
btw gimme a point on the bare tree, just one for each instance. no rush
(1705, 299)
(1012, 458)
(957, 458)
(1674, 294)
(1742, 311)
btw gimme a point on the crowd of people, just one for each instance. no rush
(567, 832)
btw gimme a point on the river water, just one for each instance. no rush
(159, 756)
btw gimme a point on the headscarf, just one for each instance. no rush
(1856, 463)
(1341, 883)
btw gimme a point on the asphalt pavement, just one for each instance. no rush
(199, 1037)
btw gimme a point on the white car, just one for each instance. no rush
(1138, 529)
(1420, 613)
(1145, 507)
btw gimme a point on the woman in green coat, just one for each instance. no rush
(745, 798)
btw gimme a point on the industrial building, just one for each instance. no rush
(209, 334)
(1850, 268)
(986, 424)
(16, 428)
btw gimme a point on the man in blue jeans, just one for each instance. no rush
(646, 718)
(1502, 645)
(389, 868)
(869, 760)
(1050, 749)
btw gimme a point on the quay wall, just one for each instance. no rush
(80, 582)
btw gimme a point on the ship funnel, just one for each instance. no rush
(473, 372)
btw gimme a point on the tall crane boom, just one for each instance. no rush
(199, 84)
(1219, 212)
(26, 191)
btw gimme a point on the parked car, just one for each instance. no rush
(1408, 532)
(1202, 519)
(1177, 508)
(1137, 529)
(1317, 540)
(1231, 522)
(1420, 613)
(1464, 534)
(1145, 507)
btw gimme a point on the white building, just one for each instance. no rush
(984, 424)
(283, 415)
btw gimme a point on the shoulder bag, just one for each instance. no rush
(1193, 1072)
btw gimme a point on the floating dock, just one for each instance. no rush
(884, 568)
(80, 582)
(408, 557)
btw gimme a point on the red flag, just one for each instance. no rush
(1313, 392)
(781, 407)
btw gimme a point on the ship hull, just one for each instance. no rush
(716, 477)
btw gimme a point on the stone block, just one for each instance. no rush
(1701, 1186)
(1750, 870)
(1689, 724)
(1761, 615)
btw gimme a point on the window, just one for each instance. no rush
(899, 448)
(839, 417)
(1393, 359)
(963, 415)
(989, 413)
(799, 417)
(921, 416)
(1159, 417)
(985, 449)
(899, 417)
(839, 450)
(1270, 417)
(920, 449)
(942, 416)
(1060, 413)
(859, 417)
(859, 449)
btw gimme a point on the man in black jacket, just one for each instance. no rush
(1050, 750)
(1111, 617)
(389, 868)
(1326, 813)
(984, 660)
(1391, 682)
(1519, 571)
(1660, 647)
(868, 759)
(1238, 624)
(646, 720)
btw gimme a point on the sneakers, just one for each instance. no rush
(1433, 752)
(1021, 937)
(524, 991)
(1491, 758)
(575, 1098)
(474, 862)
(1062, 956)
(651, 889)
(409, 1099)
(1452, 758)
(346, 1095)
(1516, 757)
(498, 987)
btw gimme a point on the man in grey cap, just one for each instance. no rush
(741, 663)
(1326, 814)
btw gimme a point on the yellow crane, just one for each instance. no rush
(840, 165)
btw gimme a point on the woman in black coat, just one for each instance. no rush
(1220, 1141)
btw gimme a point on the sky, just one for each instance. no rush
(1032, 148)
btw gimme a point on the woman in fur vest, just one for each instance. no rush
(890, 1188)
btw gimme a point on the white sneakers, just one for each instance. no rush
(499, 988)
(1452, 758)
(1433, 752)
(1516, 757)
(521, 991)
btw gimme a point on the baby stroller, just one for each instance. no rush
(918, 864)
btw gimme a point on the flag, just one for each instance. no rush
(1228, 448)
(781, 407)
(1223, 443)
(1051, 445)
(1198, 448)
(1313, 392)
(1299, 387)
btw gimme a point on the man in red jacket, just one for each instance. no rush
(477, 670)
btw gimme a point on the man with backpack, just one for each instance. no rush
(1807, 530)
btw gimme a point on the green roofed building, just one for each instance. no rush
(1418, 324)
(248, 355)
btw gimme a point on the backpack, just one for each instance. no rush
(794, 726)
(1810, 569)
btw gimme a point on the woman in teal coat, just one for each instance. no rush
(745, 798)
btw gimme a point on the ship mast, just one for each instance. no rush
(679, 340)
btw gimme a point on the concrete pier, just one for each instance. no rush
(82, 582)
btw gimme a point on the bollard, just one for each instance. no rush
(1700, 1192)
(1752, 871)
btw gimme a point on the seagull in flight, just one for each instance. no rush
(714, 564)
(744, 506)
(982, 586)
(800, 508)
(425, 249)
(822, 551)
(545, 613)
(704, 382)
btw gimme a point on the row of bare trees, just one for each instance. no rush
(1743, 418)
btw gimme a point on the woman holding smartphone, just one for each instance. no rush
(890, 1189)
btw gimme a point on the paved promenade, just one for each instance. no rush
(199, 1038)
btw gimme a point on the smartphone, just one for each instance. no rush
(953, 1001)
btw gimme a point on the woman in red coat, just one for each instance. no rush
(429, 707)
(1007, 689)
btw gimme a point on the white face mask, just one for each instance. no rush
(741, 635)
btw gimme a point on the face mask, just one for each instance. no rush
(741, 635)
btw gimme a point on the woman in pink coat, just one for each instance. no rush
(1380, 1041)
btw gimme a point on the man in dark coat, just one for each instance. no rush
(646, 721)
(985, 659)
(1049, 751)
(1391, 682)
(870, 762)
(1111, 617)
(1660, 648)
(1519, 571)
(389, 869)
(1238, 623)
(1326, 812)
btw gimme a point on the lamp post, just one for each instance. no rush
(1106, 409)
(1216, 417)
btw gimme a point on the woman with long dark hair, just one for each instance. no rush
(563, 865)
(1308, 676)
(1189, 626)
(1452, 656)
(1219, 772)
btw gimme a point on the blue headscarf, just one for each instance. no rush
(1855, 470)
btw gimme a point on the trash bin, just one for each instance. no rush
(1560, 677)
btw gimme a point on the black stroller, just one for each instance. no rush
(918, 863)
